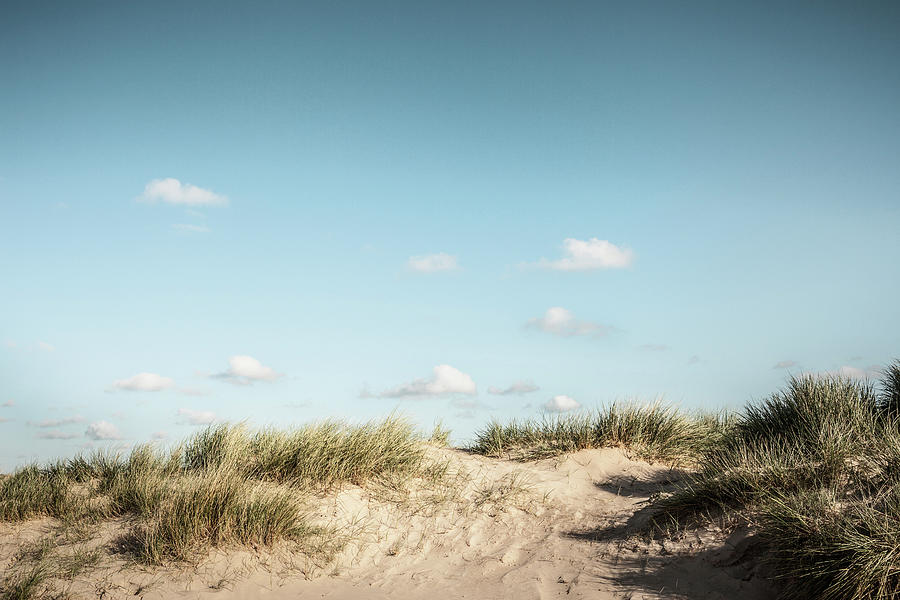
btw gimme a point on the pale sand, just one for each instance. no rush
(572, 532)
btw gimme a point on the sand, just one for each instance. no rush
(556, 528)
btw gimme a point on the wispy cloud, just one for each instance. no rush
(188, 228)
(172, 191)
(8, 404)
(102, 430)
(160, 435)
(56, 435)
(143, 382)
(785, 364)
(517, 388)
(588, 255)
(57, 422)
(561, 404)
(45, 346)
(432, 263)
(694, 359)
(244, 370)
(445, 380)
(559, 321)
(197, 417)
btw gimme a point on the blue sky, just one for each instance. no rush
(404, 206)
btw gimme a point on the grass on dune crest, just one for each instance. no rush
(225, 485)
(653, 431)
(816, 468)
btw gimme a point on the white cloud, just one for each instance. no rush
(518, 388)
(57, 422)
(160, 435)
(197, 417)
(144, 382)
(45, 347)
(188, 228)
(431, 263)
(445, 380)
(172, 191)
(102, 430)
(244, 370)
(561, 404)
(56, 435)
(588, 255)
(559, 321)
(785, 364)
(852, 372)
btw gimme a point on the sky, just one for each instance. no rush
(280, 212)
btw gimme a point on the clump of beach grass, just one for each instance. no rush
(226, 485)
(816, 469)
(652, 431)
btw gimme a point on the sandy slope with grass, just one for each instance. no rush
(563, 527)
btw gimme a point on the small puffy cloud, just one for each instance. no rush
(785, 364)
(445, 380)
(144, 382)
(518, 388)
(45, 347)
(172, 191)
(102, 430)
(654, 347)
(852, 372)
(244, 370)
(432, 263)
(160, 435)
(561, 404)
(57, 422)
(559, 321)
(56, 435)
(197, 417)
(587, 255)
(188, 228)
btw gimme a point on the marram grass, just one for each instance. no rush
(225, 485)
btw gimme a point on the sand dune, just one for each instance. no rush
(556, 528)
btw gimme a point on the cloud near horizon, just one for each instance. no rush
(560, 321)
(56, 435)
(57, 422)
(244, 370)
(144, 382)
(172, 191)
(197, 417)
(589, 255)
(561, 404)
(518, 388)
(102, 430)
(445, 380)
(432, 263)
